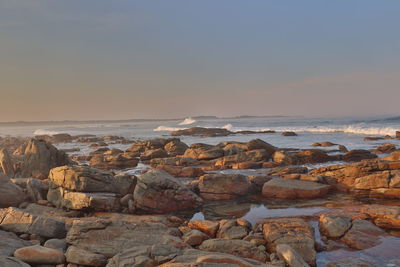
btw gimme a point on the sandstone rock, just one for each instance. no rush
(286, 188)
(159, 192)
(350, 262)
(252, 156)
(230, 229)
(294, 232)
(194, 237)
(6, 163)
(12, 262)
(362, 235)
(178, 171)
(204, 152)
(373, 138)
(393, 156)
(290, 256)
(302, 157)
(54, 243)
(357, 155)
(63, 198)
(280, 171)
(334, 225)
(10, 194)
(40, 255)
(84, 257)
(238, 248)
(260, 144)
(40, 157)
(153, 154)
(208, 227)
(113, 162)
(176, 147)
(21, 221)
(9, 242)
(86, 179)
(36, 189)
(384, 216)
(109, 237)
(203, 132)
(343, 149)
(223, 186)
(386, 148)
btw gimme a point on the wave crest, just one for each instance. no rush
(44, 132)
(187, 121)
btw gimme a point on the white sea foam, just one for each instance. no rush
(44, 132)
(167, 129)
(187, 121)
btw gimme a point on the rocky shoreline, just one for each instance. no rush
(64, 210)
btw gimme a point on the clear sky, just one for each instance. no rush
(102, 59)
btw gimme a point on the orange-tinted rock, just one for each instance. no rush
(208, 227)
(358, 155)
(224, 186)
(40, 255)
(291, 189)
(362, 235)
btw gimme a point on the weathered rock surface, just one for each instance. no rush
(9, 242)
(334, 225)
(252, 156)
(287, 188)
(204, 152)
(294, 232)
(12, 262)
(40, 255)
(194, 237)
(40, 157)
(10, 193)
(113, 162)
(223, 186)
(203, 132)
(84, 257)
(362, 235)
(357, 155)
(208, 227)
(176, 147)
(290, 256)
(235, 247)
(6, 163)
(108, 237)
(384, 216)
(350, 262)
(159, 192)
(22, 221)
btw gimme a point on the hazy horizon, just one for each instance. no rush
(119, 60)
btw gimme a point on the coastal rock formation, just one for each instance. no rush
(203, 132)
(223, 186)
(108, 161)
(40, 157)
(157, 191)
(175, 147)
(40, 255)
(358, 155)
(6, 163)
(288, 188)
(294, 232)
(10, 193)
(302, 157)
(204, 152)
(10, 242)
(334, 225)
(12, 262)
(362, 235)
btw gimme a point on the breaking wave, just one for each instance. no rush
(167, 129)
(44, 132)
(187, 121)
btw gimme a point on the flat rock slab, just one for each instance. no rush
(224, 186)
(12, 262)
(108, 237)
(288, 189)
(40, 255)
(10, 242)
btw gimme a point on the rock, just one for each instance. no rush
(178, 171)
(260, 144)
(157, 191)
(204, 152)
(9, 242)
(21, 221)
(252, 156)
(87, 179)
(194, 237)
(294, 232)
(40, 255)
(397, 134)
(302, 157)
(230, 229)
(223, 186)
(373, 138)
(281, 171)
(153, 154)
(176, 147)
(334, 225)
(36, 189)
(238, 248)
(350, 262)
(362, 235)
(113, 161)
(287, 188)
(109, 237)
(290, 256)
(288, 134)
(12, 262)
(208, 227)
(10, 194)
(6, 163)
(343, 149)
(40, 157)
(394, 156)
(202, 132)
(63, 198)
(54, 243)
(358, 154)
(384, 216)
(84, 257)
(386, 148)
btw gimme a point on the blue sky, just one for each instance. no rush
(98, 59)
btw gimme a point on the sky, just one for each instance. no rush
(125, 59)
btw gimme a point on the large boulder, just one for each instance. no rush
(358, 154)
(10, 242)
(384, 216)
(224, 186)
(334, 225)
(40, 255)
(109, 237)
(204, 152)
(22, 221)
(79, 256)
(176, 147)
(87, 179)
(158, 192)
(203, 132)
(10, 193)
(12, 262)
(6, 163)
(295, 232)
(292, 189)
(362, 235)
(40, 157)
(258, 155)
